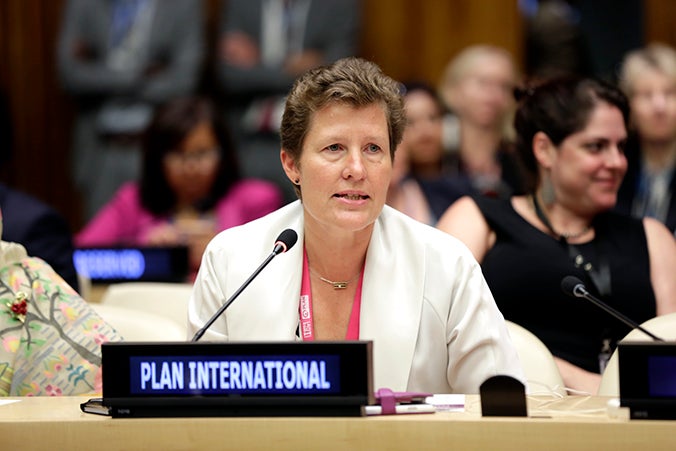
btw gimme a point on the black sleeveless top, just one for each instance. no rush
(525, 267)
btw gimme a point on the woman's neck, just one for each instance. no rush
(561, 221)
(478, 146)
(336, 258)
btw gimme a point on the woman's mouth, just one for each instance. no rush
(351, 196)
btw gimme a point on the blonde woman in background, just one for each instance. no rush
(648, 78)
(477, 88)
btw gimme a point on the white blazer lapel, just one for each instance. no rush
(285, 290)
(272, 299)
(391, 303)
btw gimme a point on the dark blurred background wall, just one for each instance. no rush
(409, 39)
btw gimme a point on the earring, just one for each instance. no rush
(547, 191)
(297, 181)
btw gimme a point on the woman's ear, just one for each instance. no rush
(290, 166)
(543, 149)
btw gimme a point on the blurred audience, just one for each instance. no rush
(571, 135)
(119, 59)
(648, 77)
(580, 38)
(477, 88)
(555, 42)
(264, 45)
(421, 186)
(404, 193)
(28, 221)
(190, 186)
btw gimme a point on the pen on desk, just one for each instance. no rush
(401, 409)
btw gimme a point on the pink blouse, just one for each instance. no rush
(124, 221)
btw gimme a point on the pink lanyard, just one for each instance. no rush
(307, 332)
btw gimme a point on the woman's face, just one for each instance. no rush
(423, 134)
(653, 106)
(588, 166)
(344, 168)
(485, 92)
(191, 168)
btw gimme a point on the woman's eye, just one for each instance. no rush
(373, 148)
(333, 147)
(594, 147)
(622, 146)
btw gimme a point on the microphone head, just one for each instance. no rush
(286, 240)
(572, 286)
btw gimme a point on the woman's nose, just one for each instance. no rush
(354, 165)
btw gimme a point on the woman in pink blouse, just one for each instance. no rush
(190, 187)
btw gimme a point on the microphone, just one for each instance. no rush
(574, 287)
(284, 242)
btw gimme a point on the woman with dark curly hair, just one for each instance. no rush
(571, 135)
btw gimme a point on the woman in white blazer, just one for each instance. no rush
(361, 270)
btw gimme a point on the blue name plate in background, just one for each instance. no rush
(237, 379)
(120, 264)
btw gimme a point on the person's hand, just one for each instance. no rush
(238, 49)
(576, 379)
(196, 234)
(164, 235)
(301, 62)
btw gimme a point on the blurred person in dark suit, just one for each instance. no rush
(119, 59)
(40, 229)
(30, 222)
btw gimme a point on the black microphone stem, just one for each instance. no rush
(227, 303)
(617, 314)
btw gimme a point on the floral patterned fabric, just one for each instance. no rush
(50, 339)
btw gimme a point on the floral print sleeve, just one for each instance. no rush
(50, 338)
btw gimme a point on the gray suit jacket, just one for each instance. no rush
(425, 304)
(173, 58)
(332, 28)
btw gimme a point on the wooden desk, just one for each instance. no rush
(573, 423)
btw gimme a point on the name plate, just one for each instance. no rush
(648, 379)
(125, 264)
(237, 379)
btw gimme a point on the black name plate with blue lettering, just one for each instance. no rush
(648, 379)
(237, 379)
(126, 264)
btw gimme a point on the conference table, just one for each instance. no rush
(574, 422)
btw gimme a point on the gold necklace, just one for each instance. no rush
(336, 285)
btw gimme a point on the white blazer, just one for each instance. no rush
(425, 304)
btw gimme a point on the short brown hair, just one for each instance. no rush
(353, 81)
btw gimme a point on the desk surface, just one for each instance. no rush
(569, 423)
